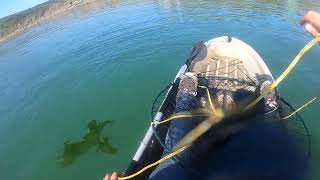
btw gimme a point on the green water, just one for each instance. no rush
(108, 65)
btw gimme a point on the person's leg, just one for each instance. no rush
(186, 100)
(179, 128)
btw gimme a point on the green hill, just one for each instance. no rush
(13, 24)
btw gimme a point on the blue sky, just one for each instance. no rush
(8, 7)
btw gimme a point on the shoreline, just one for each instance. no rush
(29, 18)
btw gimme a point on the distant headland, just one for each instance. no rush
(19, 22)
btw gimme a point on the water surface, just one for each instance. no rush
(108, 65)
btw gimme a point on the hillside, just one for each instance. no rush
(13, 24)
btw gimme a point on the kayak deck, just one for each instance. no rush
(232, 60)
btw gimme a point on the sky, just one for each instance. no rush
(8, 7)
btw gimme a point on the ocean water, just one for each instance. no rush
(102, 66)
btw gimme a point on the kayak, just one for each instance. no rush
(227, 64)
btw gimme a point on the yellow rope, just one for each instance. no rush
(176, 152)
(177, 117)
(209, 99)
(286, 72)
(303, 106)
